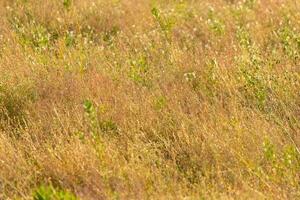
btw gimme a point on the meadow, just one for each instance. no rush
(149, 99)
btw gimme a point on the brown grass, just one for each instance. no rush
(150, 99)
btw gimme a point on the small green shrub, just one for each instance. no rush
(110, 35)
(207, 82)
(211, 75)
(166, 23)
(250, 66)
(139, 70)
(269, 150)
(91, 114)
(31, 33)
(244, 37)
(67, 4)
(280, 164)
(70, 39)
(291, 157)
(51, 193)
(255, 90)
(289, 39)
(215, 23)
(160, 102)
(97, 125)
(250, 3)
(108, 126)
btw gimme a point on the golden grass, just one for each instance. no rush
(137, 99)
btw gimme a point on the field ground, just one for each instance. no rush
(149, 99)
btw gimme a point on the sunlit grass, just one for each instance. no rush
(149, 99)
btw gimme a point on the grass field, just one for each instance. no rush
(149, 99)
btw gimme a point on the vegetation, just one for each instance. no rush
(137, 99)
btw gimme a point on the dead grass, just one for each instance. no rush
(149, 99)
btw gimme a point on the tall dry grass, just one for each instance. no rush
(149, 99)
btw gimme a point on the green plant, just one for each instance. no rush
(51, 193)
(108, 126)
(110, 35)
(33, 34)
(139, 71)
(250, 3)
(244, 37)
(95, 123)
(250, 66)
(91, 114)
(70, 39)
(215, 23)
(255, 88)
(290, 40)
(166, 23)
(160, 102)
(269, 150)
(211, 75)
(67, 4)
(291, 157)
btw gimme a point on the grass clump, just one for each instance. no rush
(15, 101)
